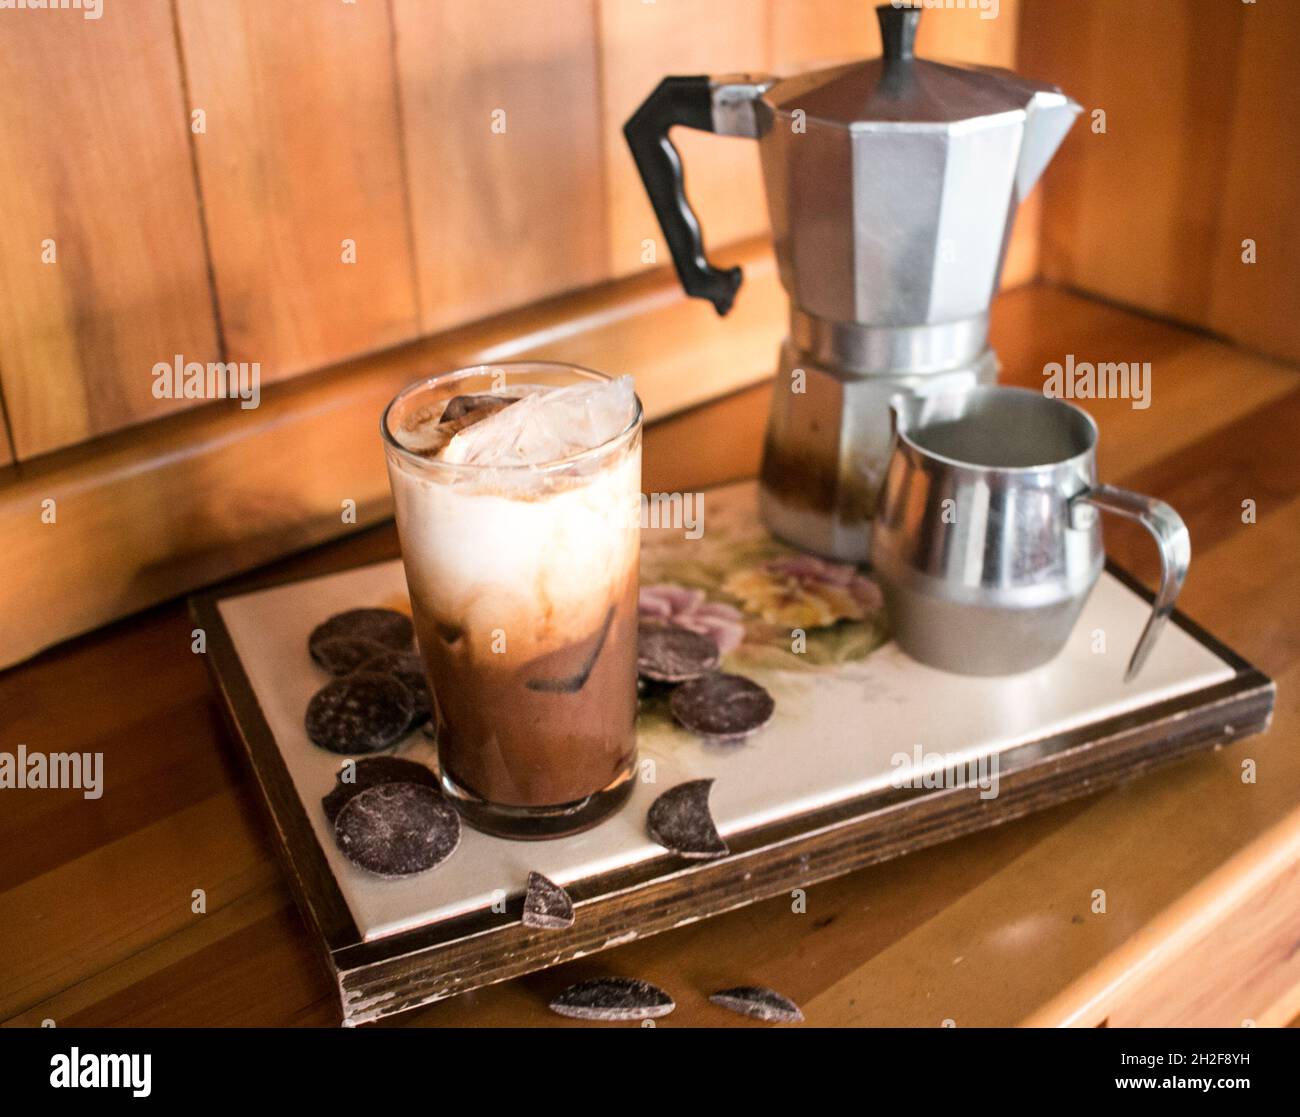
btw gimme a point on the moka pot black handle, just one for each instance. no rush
(687, 101)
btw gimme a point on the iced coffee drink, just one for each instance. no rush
(517, 494)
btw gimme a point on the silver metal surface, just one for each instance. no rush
(866, 350)
(892, 187)
(737, 104)
(985, 540)
(827, 445)
(1170, 533)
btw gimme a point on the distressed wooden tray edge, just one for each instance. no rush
(404, 971)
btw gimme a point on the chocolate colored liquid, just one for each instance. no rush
(549, 731)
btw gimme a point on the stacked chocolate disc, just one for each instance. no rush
(708, 702)
(379, 692)
(389, 814)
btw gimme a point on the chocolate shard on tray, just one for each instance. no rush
(384, 626)
(397, 829)
(408, 669)
(667, 653)
(546, 904)
(371, 771)
(341, 655)
(613, 998)
(722, 706)
(760, 1003)
(680, 820)
(359, 713)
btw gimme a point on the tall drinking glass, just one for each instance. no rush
(523, 583)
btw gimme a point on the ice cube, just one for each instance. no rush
(546, 425)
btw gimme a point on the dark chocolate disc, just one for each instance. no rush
(722, 706)
(397, 829)
(342, 655)
(359, 713)
(371, 771)
(613, 998)
(384, 626)
(680, 820)
(546, 904)
(667, 653)
(408, 669)
(760, 1003)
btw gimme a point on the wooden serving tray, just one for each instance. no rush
(814, 795)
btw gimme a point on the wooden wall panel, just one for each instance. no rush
(501, 217)
(94, 156)
(805, 34)
(1198, 154)
(964, 35)
(301, 152)
(1259, 304)
(146, 515)
(642, 43)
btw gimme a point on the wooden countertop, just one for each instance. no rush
(1200, 867)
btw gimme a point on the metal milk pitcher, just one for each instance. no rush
(988, 542)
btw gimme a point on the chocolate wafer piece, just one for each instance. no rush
(481, 406)
(408, 669)
(384, 626)
(359, 713)
(723, 706)
(547, 905)
(371, 771)
(397, 829)
(342, 655)
(667, 653)
(613, 998)
(760, 1003)
(680, 820)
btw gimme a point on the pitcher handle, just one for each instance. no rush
(722, 105)
(1172, 540)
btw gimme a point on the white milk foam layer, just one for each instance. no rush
(531, 559)
(541, 571)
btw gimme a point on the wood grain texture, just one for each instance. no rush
(97, 162)
(988, 929)
(152, 513)
(301, 153)
(1193, 161)
(6, 445)
(1145, 984)
(501, 125)
(1256, 303)
(809, 34)
(639, 45)
(367, 123)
